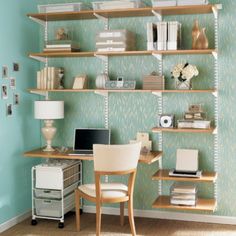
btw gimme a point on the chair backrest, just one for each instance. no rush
(115, 158)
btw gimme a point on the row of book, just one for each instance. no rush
(183, 194)
(61, 46)
(163, 35)
(49, 78)
(154, 82)
(115, 40)
(163, 3)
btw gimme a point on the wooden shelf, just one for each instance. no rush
(147, 159)
(176, 130)
(164, 175)
(125, 53)
(116, 13)
(120, 91)
(163, 202)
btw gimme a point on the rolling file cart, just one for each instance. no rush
(53, 185)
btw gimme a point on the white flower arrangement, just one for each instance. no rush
(184, 72)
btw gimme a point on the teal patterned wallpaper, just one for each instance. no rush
(130, 113)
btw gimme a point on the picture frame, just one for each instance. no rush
(16, 99)
(80, 82)
(4, 72)
(9, 110)
(16, 66)
(4, 91)
(13, 83)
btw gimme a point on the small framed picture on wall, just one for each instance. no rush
(12, 83)
(4, 72)
(4, 92)
(9, 110)
(16, 98)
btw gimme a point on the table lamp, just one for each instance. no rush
(48, 111)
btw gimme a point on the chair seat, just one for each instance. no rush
(108, 190)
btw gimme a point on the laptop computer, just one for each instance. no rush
(85, 138)
(186, 164)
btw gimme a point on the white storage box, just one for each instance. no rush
(122, 4)
(52, 208)
(163, 3)
(57, 175)
(66, 7)
(54, 194)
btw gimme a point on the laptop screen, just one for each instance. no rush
(85, 138)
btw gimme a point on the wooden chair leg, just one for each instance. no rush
(77, 209)
(131, 216)
(98, 219)
(122, 208)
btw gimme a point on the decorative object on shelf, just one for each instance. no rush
(9, 110)
(4, 92)
(202, 41)
(195, 33)
(80, 82)
(49, 111)
(183, 73)
(61, 74)
(116, 84)
(101, 80)
(167, 121)
(154, 81)
(194, 118)
(146, 144)
(62, 34)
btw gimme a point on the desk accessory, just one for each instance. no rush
(48, 111)
(115, 84)
(186, 164)
(101, 80)
(166, 121)
(146, 144)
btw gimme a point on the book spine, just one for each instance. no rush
(38, 80)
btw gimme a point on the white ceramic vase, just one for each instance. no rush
(101, 80)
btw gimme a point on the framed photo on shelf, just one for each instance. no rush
(12, 83)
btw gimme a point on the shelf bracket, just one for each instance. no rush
(215, 131)
(41, 22)
(157, 14)
(102, 57)
(157, 56)
(103, 18)
(215, 55)
(157, 94)
(101, 93)
(215, 9)
(215, 94)
(41, 93)
(41, 59)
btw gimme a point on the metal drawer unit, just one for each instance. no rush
(53, 185)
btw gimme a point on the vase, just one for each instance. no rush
(183, 85)
(195, 33)
(202, 41)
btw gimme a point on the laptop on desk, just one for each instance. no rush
(186, 164)
(85, 138)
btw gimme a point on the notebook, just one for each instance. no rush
(85, 138)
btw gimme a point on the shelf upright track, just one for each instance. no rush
(215, 9)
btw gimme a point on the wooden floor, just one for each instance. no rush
(110, 226)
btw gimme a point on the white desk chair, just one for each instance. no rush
(111, 160)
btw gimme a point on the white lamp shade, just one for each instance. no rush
(49, 110)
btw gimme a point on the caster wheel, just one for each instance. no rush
(60, 225)
(34, 222)
(81, 211)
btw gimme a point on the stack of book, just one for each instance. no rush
(61, 46)
(191, 2)
(49, 78)
(64, 7)
(118, 4)
(115, 40)
(183, 194)
(154, 82)
(163, 35)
